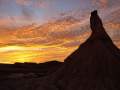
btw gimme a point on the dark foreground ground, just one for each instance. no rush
(26, 70)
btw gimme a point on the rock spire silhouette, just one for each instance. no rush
(95, 65)
(97, 28)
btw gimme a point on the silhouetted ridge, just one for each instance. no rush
(94, 65)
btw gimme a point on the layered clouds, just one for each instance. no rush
(40, 30)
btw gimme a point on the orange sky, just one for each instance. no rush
(39, 32)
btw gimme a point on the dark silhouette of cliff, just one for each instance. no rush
(95, 65)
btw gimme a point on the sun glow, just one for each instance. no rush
(33, 53)
(11, 48)
(23, 56)
(12, 54)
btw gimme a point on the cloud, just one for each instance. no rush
(56, 32)
(52, 33)
(41, 4)
(112, 25)
(72, 33)
(33, 3)
(3, 2)
(27, 13)
(114, 14)
(24, 2)
(4, 22)
(104, 3)
(100, 3)
(70, 44)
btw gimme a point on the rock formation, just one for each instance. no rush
(95, 65)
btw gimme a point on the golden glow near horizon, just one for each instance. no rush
(11, 54)
(35, 53)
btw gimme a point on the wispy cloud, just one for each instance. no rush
(24, 2)
(101, 3)
(5, 21)
(34, 3)
(41, 4)
(27, 13)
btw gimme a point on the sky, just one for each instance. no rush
(46, 30)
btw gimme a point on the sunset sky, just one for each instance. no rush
(45, 30)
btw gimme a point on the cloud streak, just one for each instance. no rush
(33, 3)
